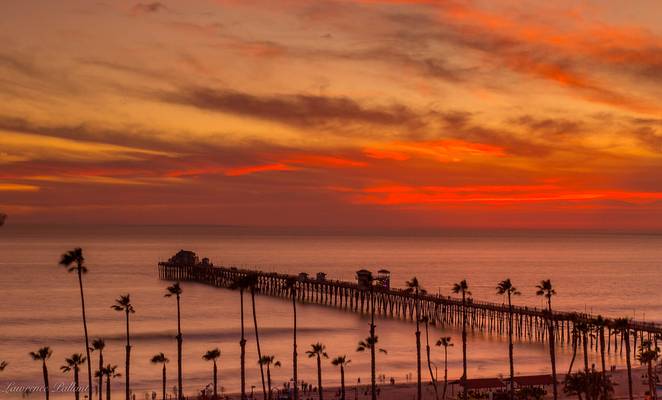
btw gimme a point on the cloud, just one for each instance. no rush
(293, 109)
(258, 168)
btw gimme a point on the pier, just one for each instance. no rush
(529, 323)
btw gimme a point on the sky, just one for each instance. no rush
(358, 113)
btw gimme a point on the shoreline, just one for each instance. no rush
(407, 391)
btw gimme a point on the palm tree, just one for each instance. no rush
(109, 371)
(98, 345)
(433, 378)
(123, 304)
(575, 338)
(73, 364)
(342, 362)
(252, 281)
(546, 290)
(648, 355)
(43, 354)
(213, 355)
(600, 324)
(73, 260)
(161, 359)
(506, 287)
(318, 350)
(242, 283)
(446, 342)
(463, 288)
(291, 286)
(269, 361)
(413, 286)
(622, 325)
(176, 290)
(370, 344)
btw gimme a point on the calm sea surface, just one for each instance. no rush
(611, 274)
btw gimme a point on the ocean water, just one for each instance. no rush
(609, 274)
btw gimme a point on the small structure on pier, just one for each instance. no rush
(384, 278)
(185, 258)
(321, 276)
(364, 278)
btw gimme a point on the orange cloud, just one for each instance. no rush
(446, 150)
(324, 161)
(258, 168)
(390, 195)
(17, 187)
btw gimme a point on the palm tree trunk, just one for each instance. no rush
(628, 361)
(46, 386)
(269, 381)
(257, 342)
(510, 348)
(419, 391)
(108, 387)
(215, 381)
(76, 383)
(319, 377)
(445, 371)
(87, 341)
(574, 350)
(373, 361)
(128, 359)
(651, 381)
(552, 352)
(427, 353)
(342, 382)
(294, 346)
(587, 387)
(100, 388)
(602, 362)
(164, 381)
(242, 345)
(465, 391)
(180, 389)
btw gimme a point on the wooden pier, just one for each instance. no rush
(530, 323)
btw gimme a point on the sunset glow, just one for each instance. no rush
(514, 114)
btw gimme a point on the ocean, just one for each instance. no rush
(615, 275)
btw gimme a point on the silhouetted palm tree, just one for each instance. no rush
(291, 286)
(43, 354)
(98, 345)
(433, 378)
(446, 342)
(413, 286)
(622, 326)
(73, 260)
(463, 288)
(109, 371)
(161, 359)
(269, 361)
(176, 290)
(600, 324)
(546, 290)
(123, 304)
(342, 362)
(252, 282)
(318, 350)
(370, 344)
(648, 355)
(506, 287)
(242, 283)
(575, 339)
(213, 355)
(73, 364)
